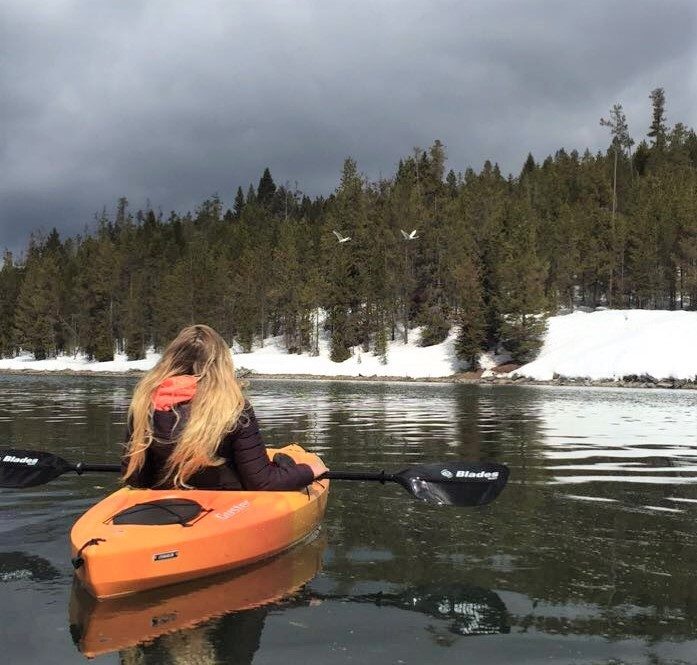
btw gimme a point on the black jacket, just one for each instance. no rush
(247, 465)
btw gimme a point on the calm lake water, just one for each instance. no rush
(587, 556)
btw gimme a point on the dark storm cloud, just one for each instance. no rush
(172, 101)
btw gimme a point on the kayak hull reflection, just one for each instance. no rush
(103, 626)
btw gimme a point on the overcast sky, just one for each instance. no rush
(172, 100)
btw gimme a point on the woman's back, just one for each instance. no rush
(190, 426)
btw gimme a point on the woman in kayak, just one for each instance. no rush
(190, 425)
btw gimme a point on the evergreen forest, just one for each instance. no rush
(430, 247)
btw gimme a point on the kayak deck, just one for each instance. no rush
(232, 529)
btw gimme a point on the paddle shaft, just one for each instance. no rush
(81, 468)
(379, 476)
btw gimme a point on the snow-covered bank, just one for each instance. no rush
(403, 360)
(120, 364)
(613, 344)
(603, 345)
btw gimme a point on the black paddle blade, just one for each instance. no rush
(456, 483)
(27, 468)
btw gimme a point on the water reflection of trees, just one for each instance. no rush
(464, 610)
(533, 539)
(81, 417)
(21, 566)
(235, 638)
(633, 578)
(617, 624)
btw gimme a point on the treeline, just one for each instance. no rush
(492, 255)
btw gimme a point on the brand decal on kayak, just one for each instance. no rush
(486, 475)
(28, 461)
(233, 510)
(164, 556)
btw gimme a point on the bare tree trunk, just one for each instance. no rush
(612, 233)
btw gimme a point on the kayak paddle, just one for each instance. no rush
(28, 468)
(443, 484)
(452, 484)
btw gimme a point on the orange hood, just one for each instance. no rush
(174, 390)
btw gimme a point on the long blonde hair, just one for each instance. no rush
(215, 408)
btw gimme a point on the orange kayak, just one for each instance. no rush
(139, 539)
(99, 627)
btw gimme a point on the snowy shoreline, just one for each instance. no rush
(466, 378)
(616, 348)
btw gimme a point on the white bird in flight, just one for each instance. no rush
(340, 238)
(409, 236)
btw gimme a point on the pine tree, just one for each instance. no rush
(381, 349)
(286, 284)
(37, 313)
(345, 263)
(266, 188)
(621, 145)
(640, 159)
(521, 297)
(451, 183)
(99, 266)
(122, 217)
(239, 203)
(10, 279)
(134, 324)
(174, 305)
(529, 166)
(251, 195)
(647, 279)
(482, 205)
(657, 130)
(470, 313)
